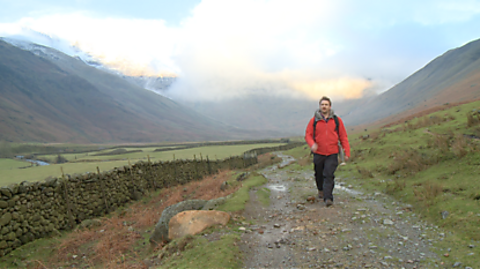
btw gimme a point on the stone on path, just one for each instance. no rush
(387, 222)
(192, 222)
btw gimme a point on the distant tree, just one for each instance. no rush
(60, 159)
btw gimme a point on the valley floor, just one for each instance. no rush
(281, 226)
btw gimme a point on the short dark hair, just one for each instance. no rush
(324, 98)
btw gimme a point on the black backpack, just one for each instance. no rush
(336, 126)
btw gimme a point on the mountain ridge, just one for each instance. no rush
(146, 116)
(440, 81)
(61, 99)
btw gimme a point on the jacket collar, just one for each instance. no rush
(318, 115)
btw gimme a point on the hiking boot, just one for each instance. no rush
(320, 195)
(328, 203)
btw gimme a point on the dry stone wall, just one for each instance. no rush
(32, 210)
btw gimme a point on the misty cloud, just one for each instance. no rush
(300, 49)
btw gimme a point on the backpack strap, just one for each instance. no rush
(335, 118)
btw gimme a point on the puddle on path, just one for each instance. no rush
(348, 190)
(286, 160)
(277, 187)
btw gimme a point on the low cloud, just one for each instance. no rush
(301, 49)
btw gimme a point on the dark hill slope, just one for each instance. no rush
(452, 77)
(56, 98)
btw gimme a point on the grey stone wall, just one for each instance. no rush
(32, 210)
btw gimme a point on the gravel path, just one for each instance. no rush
(358, 231)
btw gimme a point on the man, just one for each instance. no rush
(323, 142)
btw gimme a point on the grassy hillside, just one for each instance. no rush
(451, 77)
(431, 162)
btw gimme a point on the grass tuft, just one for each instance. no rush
(427, 192)
(365, 173)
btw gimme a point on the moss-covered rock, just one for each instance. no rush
(160, 233)
(5, 219)
(10, 236)
(5, 230)
(6, 191)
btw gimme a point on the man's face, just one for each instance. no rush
(324, 106)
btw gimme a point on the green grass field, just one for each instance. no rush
(88, 163)
(11, 164)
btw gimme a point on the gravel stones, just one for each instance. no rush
(387, 222)
(457, 264)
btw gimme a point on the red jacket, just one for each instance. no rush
(326, 137)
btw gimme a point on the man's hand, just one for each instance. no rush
(314, 147)
(346, 158)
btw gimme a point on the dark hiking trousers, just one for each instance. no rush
(325, 167)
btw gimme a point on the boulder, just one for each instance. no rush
(160, 233)
(192, 222)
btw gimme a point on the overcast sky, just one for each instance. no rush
(227, 48)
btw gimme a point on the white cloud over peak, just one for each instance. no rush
(302, 48)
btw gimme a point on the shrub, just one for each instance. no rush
(411, 161)
(365, 173)
(374, 135)
(459, 146)
(395, 185)
(427, 192)
(60, 159)
(430, 120)
(473, 118)
(440, 142)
